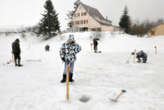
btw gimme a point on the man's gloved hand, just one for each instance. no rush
(63, 59)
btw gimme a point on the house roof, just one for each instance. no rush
(158, 25)
(154, 27)
(93, 12)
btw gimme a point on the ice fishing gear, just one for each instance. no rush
(128, 60)
(84, 98)
(155, 49)
(118, 96)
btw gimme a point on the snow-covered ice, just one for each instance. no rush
(99, 77)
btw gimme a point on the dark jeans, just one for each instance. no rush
(144, 60)
(95, 48)
(17, 58)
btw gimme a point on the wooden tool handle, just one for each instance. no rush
(67, 82)
(118, 96)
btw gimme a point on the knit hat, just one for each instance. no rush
(71, 37)
(17, 40)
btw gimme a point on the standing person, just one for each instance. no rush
(95, 45)
(68, 53)
(141, 56)
(16, 52)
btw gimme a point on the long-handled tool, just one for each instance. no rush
(91, 46)
(118, 96)
(67, 82)
(13, 59)
(155, 49)
(135, 54)
(128, 60)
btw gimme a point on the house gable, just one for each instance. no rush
(90, 19)
(80, 15)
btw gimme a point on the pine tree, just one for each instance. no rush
(125, 21)
(49, 24)
(70, 13)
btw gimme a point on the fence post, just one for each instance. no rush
(155, 49)
(91, 46)
(134, 59)
(13, 59)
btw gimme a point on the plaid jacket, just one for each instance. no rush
(68, 51)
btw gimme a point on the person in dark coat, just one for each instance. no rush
(141, 56)
(16, 52)
(95, 45)
(47, 48)
(68, 53)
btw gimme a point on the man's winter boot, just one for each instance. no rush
(16, 64)
(19, 63)
(15, 61)
(144, 60)
(71, 78)
(64, 79)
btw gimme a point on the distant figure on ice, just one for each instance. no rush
(141, 56)
(47, 48)
(16, 52)
(68, 53)
(95, 45)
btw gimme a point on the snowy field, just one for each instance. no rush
(36, 85)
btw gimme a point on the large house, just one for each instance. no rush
(157, 30)
(86, 18)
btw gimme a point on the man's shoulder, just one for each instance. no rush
(64, 43)
(76, 43)
(13, 43)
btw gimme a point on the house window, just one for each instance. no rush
(93, 29)
(72, 23)
(85, 21)
(81, 22)
(76, 15)
(96, 29)
(99, 29)
(83, 14)
(77, 22)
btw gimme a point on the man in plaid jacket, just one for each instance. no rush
(68, 53)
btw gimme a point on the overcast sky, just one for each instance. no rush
(28, 12)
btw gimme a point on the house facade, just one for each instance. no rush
(86, 18)
(157, 31)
